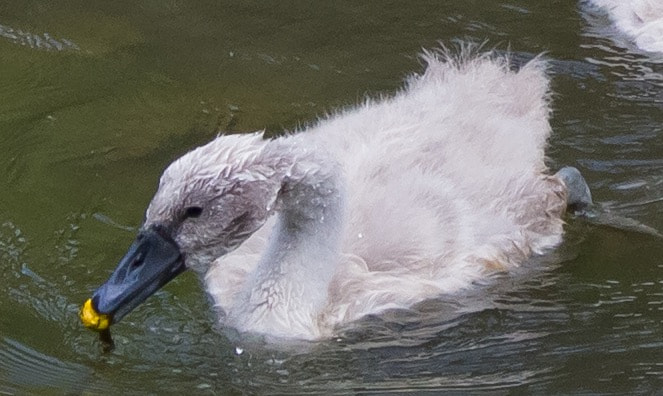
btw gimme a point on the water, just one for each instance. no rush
(97, 97)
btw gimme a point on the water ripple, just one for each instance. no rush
(27, 369)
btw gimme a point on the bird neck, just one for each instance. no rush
(289, 288)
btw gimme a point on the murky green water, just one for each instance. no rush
(97, 97)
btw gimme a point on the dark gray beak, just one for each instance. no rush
(153, 260)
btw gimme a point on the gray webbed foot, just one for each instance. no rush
(579, 198)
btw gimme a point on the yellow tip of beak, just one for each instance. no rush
(92, 319)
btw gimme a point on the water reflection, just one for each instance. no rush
(43, 41)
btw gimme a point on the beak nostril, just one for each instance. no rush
(138, 261)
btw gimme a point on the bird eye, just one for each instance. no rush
(193, 212)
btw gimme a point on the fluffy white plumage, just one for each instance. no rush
(640, 20)
(377, 207)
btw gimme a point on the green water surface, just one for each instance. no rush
(97, 97)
